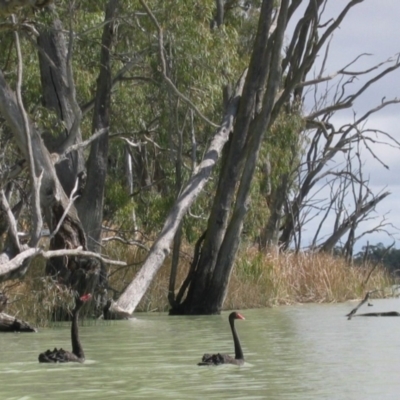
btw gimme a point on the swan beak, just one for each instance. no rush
(86, 297)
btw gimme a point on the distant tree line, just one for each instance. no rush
(388, 256)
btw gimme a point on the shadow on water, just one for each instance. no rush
(296, 352)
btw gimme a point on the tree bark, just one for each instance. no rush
(270, 233)
(57, 96)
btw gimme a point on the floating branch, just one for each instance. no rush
(354, 310)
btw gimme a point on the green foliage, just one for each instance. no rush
(251, 268)
(387, 256)
(117, 200)
(283, 144)
(282, 150)
(200, 62)
(48, 120)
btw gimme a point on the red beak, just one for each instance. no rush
(86, 297)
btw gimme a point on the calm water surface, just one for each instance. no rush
(296, 352)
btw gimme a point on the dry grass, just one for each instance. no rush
(264, 280)
(261, 280)
(35, 298)
(258, 280)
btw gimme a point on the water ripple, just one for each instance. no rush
(301, 352)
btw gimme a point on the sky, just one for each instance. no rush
(371, 27)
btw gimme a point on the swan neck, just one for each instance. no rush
(236, 341)
(76, 343)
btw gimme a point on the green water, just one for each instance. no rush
(296, 352)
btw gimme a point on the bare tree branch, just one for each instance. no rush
(11, 266)
(12, 225)
(37, 221)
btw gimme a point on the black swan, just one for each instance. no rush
(217, 359)
(77, 354)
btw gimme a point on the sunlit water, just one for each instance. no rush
(296, 352)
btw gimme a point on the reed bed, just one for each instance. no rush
(271, 279)
(258, 280)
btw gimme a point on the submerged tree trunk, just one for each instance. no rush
(13, 324)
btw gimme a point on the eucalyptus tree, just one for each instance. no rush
(273, 80)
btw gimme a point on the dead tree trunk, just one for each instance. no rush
(13, 324)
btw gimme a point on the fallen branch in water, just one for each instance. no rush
(354, 310)
(380, 314)
(371, 314)
(12, 324)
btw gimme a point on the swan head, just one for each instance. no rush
(236, 315)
